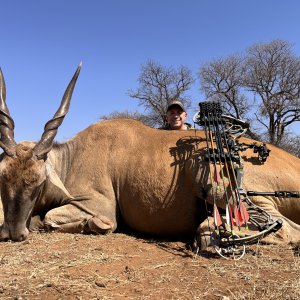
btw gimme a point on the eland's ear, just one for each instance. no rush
(54, 178)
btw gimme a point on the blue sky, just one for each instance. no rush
(42, 42)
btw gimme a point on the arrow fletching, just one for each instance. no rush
(237, 216)
(244, 211)
(217, 217)
(227, 215)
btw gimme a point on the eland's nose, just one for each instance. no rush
(19, 236)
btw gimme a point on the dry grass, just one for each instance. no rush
(65, 266)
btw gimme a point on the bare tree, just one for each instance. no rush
(222, 80)
(273, 73)
(158, 85)
(127, 115)
(291, 143)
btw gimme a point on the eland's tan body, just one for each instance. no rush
(155, 181)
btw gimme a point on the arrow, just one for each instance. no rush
(217, 217)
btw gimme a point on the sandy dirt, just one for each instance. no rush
(125, 266)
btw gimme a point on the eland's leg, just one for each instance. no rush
(83, 215)
(290, 231)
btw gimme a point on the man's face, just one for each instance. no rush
(176, 118)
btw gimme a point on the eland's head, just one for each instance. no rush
(24, 168)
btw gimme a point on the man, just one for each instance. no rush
(176, 116)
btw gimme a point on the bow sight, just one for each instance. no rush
(231, 232)
(211, 113)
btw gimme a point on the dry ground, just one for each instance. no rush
(124, 266)
(118, 266)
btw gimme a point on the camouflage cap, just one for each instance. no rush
(175, 103)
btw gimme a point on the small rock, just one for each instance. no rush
(100, 284)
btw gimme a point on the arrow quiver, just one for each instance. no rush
(231, 228)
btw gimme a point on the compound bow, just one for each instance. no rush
(223, 152)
